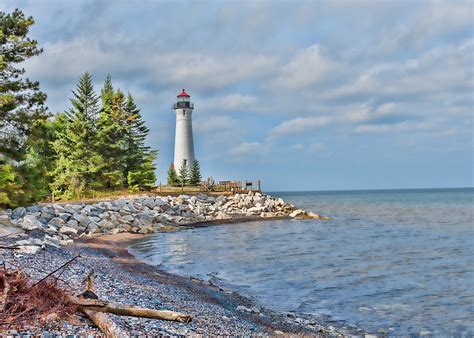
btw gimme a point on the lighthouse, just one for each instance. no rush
(183, 142)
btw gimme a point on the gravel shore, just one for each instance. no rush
(119, 277)
(48, 235)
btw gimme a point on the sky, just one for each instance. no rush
(304, 95)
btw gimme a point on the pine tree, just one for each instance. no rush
(112, 129)
(195, 177)
(183, 173)
(77, 163)
(172, 176)
(21, 101)
(22, 112)
(139, 159)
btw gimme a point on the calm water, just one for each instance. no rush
(400, 262)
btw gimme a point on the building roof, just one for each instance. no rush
(183, 93)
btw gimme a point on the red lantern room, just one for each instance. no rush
(183, 100)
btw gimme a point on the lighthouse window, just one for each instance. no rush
(184, 112)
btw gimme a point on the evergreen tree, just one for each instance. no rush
(183, 173)
(22, 113)
(172, 176)
(139, 159)
(77, 163)
(112, 130)
(143, 177)
(21, 101)
(195, 177)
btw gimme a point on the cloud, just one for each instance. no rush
(307, 68)
(246, 149)
(215, 124)
(299, 125)
(396, 127)
(229, 103)
(311, 147)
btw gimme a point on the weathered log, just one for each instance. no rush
(125, 310)
(105, 324)
(100, 319)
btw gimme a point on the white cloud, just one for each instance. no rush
(299, 125)
(308, 67)
(228, 103)
(404, 126)
(214, 124)
(247, 149)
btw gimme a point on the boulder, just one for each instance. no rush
(104, 224)
(29, 249)
(58, 209)
(33, 208)
(72, 223)
(115, 231)
(297, 213)
(56, 221)
(18, 213)
(149, 202)
(92, 228)
(9, 229)
(82, 219)
(67, 230)
(128, 218)
(29, 222)
(222, 215)
(52, 241)
(64, 216)
(29, 242)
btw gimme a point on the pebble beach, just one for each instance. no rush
(48, 235)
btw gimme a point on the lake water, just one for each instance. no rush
(394, 261)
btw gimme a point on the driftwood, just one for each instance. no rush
(97, 311)
(125, 310)
(100, 319)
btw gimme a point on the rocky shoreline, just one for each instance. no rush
(45, 236)
(58, 225)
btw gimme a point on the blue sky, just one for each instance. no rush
(305, 95)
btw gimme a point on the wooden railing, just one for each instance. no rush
(221, 186)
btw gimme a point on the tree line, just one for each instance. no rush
(185, 176)
(98, 144)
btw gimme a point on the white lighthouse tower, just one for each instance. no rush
(183, 142)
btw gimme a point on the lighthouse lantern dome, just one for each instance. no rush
(183, 96)
(183, 100)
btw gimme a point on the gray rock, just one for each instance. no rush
(66, 230)
(29, 222)
(18, 213)
(82, 219)
(149, 202)
(115, 231)
(297, 213)
(128, 218)
(57, 208)
(52, 241)
(9, 229)
(56, 221)
(30, 241)
(92, 228)
(72, 223)
(33, 208)
(29, 249)
(104, 224)
(64, 216)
